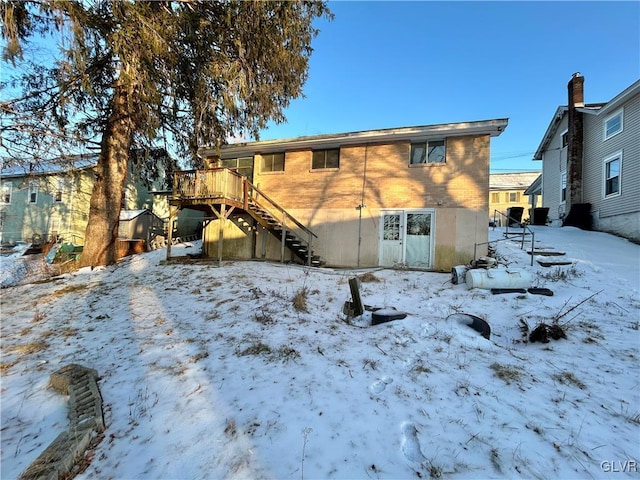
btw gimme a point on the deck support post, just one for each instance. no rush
(263, 253)
(173, 213)
(221, 221)
(222, 215)
(283, 239)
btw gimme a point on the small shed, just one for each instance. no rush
(140, 224)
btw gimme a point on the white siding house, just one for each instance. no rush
(608, 177)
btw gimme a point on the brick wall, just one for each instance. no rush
(390, 182)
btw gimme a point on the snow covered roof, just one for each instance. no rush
(131, 214)
(49, 168)
(511, 181)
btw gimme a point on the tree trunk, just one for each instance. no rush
(106, 198)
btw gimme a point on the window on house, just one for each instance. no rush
(325, 159)
(242, 165)
(432, 151)
(563, 186)
(565, 138)
(272, 162)
(58, 195)
(7, 187)
(495, 197)
(514, 197)
(613, 125)
(33, 192)
(612, 167)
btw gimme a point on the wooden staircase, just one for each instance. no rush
(300, 248)
(221, 186)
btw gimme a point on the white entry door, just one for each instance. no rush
(418, 239)
(391, 229)
(406, 238)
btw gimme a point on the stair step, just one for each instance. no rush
(547, 253)
(552, 263)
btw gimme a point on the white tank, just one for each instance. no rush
(498, 278)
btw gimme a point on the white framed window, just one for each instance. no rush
(433, 151)
(563, 187)
(272, 162)
(33, 192)
(564, 139)
(514, 197)
(322, 159)
(7, 188)
(613, 124)
(612, 166)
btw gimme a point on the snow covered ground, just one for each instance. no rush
(250, 370)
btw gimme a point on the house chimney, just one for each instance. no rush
(576, 91)
(574, 140)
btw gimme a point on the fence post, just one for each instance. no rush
(533, 238)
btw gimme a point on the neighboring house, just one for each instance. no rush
(50, 201)
(413, 196)
(591, 160)
(507, 190)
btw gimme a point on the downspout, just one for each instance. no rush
(362, 205)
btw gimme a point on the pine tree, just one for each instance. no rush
(134, 75)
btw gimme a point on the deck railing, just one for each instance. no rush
(208, 184)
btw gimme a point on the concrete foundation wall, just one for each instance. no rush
(627, 225)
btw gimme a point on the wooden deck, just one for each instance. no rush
(209, 187)
(221, 191)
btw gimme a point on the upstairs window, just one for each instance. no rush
(432, 151)
(514, 197)
(612, 167)
(33, 192)
(495, 197)
(242, 165)
(272, 162)
(613, 125)
(325, 159)
(564, 138)
(563, 186)
(7, 187)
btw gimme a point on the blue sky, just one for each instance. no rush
(395, 64)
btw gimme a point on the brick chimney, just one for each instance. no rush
(575, 140)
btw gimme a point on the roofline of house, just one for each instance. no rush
(49, 168)
(535, 188)
(551, 130)
(420, 133)
(591, 109)
(621, 98)
(493, 177)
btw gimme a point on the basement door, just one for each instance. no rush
(406, 239)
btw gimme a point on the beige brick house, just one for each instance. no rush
(507, 190)
(415, 197)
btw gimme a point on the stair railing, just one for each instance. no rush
(510, 219)
(259, 198)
